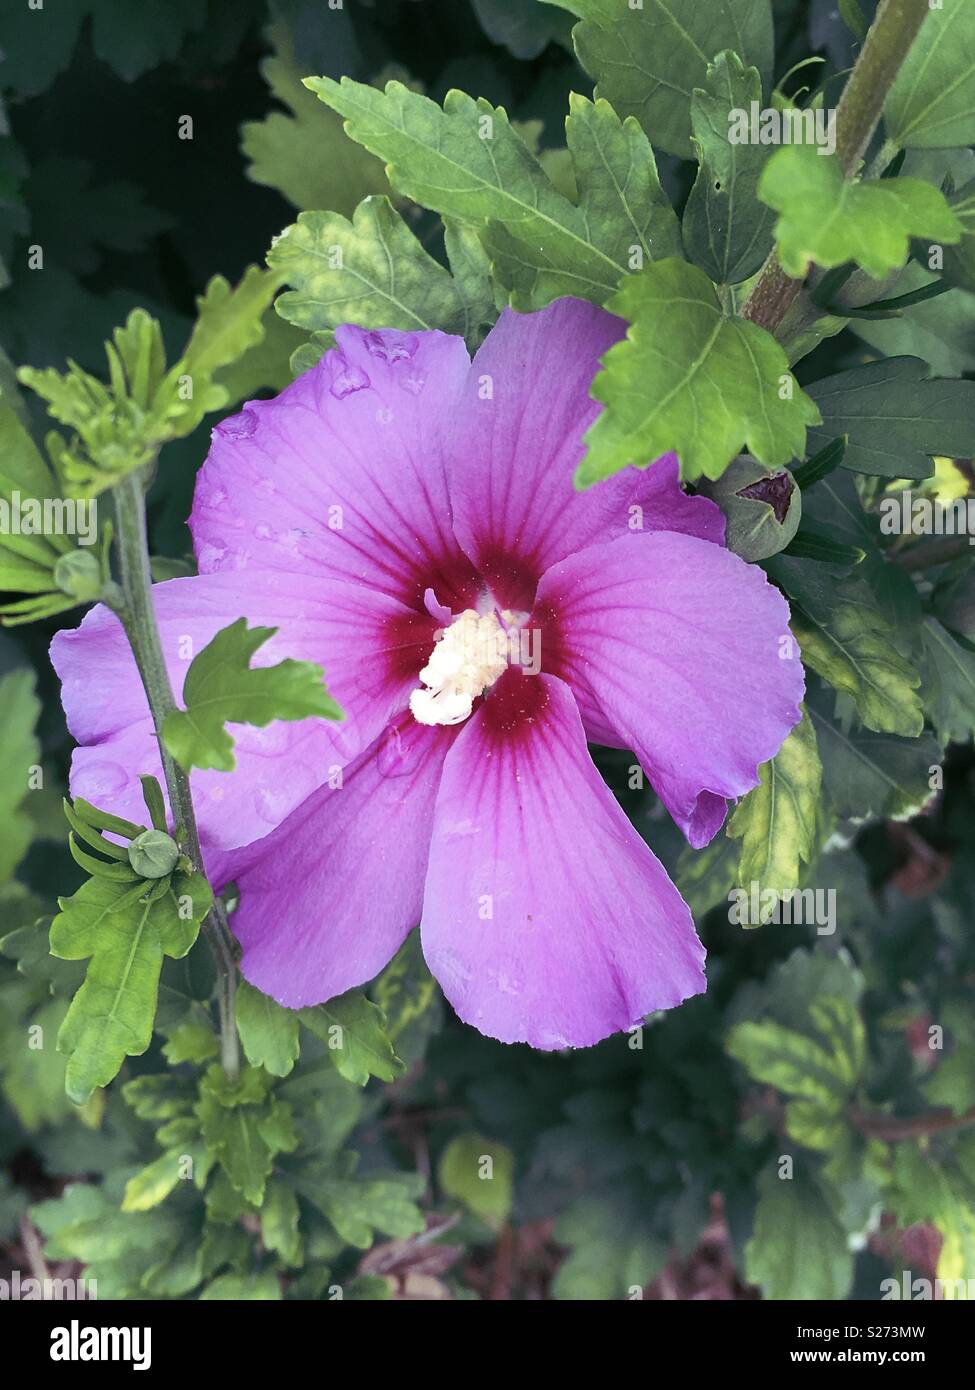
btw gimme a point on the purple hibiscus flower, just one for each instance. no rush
(407, 518)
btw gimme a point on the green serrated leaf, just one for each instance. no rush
(896, 419)
(352, 1027)
(410, 1000)
(160, 1097)
(471, 268)
(647, 61)
(953, 1082)
(112, 1014)
(937, 330)
(260, 1286)
(959, 261)
(133, 41)
(19, 753)
(371, 271)
(727, 231)
(791, 1062)
(229, 322)
(618, 192)
(687, 378)
(121, 1249)
(706, 876)
(614, 1248)
(359, 1207)
(466, 162)
(932, 102)
(846, 638)
(525, 30)
(777, 823)
(153, 1184)
(305, 155)
(937, 1192)
(268, 1032)
(245, 1138)
(309, 354)
(798, 1249)
(480, 1173)
(948, 691)
(221, 687)
(826, 220)
(191, 1042)
(871, 774)
(279, 1222)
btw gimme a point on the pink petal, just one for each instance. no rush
(517, 441)
(683, 650)
(342, 474)
(370, 645)
(328, 898)
(546, 918)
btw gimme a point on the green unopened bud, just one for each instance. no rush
(153, 854)
(762, 507)
(79, 574)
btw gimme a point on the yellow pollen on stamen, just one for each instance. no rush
(468, 657)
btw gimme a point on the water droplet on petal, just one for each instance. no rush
(269, 741)
(413, 382)
(292, 540)
(347, 378)
(97, 780)
(211, 556)
(395, 760)
(271, 804)
(263, 532)
(264, 487)
(239, 426)
(390, 346)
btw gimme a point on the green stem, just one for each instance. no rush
(134, 607)
(887, 45)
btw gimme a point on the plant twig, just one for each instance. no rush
(887, 45)
(892, 1128)
(934, 552)
(137, 614)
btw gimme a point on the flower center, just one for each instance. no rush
(469, 655)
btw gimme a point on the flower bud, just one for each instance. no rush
(79, 574)
(762, 507)
(153, 854)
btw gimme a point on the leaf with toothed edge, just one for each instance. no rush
(221, 687)
(647, 60)
(689, 379)
(467, 163)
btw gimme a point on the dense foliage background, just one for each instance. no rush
(651, 1165)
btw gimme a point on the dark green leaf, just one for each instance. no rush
(727, 231)
(895, 418)
(648, 61)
